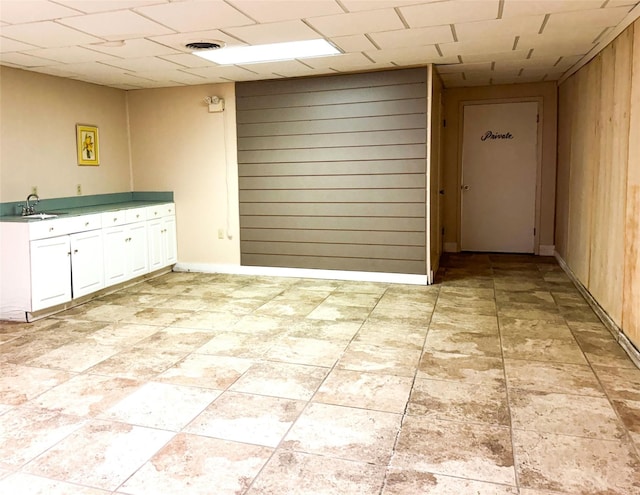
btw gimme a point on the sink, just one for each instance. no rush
(40, 216)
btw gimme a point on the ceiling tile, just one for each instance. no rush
(47, 34)
(493, 56)
(338, 62)
(286, 10)
(353, 43)
(417, 55)
(493, 44)
(620, 3)
(278, 67)
(196, 16)
(54, 70)
(413, 37)
(469, 31)
(176, 76)
(8, 45)
(25, 60)
(261, 34)
(188, 60)
(94, 6)
(19, 11)
(143, 64)
(450, 12)
(358, 23)
(115, 26)
(135, 48)
(450, 68)
(567, 22)
(179, 40)
(224, 73)
(359, 5)
(514, 8)
(70, 54)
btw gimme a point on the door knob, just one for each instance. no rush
(465, 187)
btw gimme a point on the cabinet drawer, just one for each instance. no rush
(158, 211)
(136, 215)
(84, 223)
(114, 218)
(50, 228)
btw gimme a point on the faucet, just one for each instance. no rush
(30, 209)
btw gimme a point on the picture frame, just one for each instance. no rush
(87, 143)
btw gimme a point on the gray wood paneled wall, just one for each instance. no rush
(332, 172)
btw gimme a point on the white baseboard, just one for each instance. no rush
(547, 250)
(616, 331)
(451, 247)
(392, 278)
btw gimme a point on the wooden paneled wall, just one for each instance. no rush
(332, 172)
(598, 201)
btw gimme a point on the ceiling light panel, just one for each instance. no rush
(358, 23)
(450, 12)
(118, 25)
(286, 9)
(196, 16)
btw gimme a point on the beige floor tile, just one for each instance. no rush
(460, 367)
(181, 302)
(176, 339)
(290, 381)
(147, 406)
(481, 324)
(193, 465)
(313, 352)
(27, 432)
(287, 307)
(338, 312)
(256, 292)
(451, 305)
(532, 348)
(344, 432)
(137, 363)
(384, 333)
(403, 307)
(162, 317)
(441, 339)
(75, 356)
(247, 418)
(620, 383)
(552, 377)
(350, 298)
(269, 327)
(18, 383)
(536, 297)
(376, 288)
(603, 350)
(456, 401)
(373, 391)
(208, 320)
(86, 395)
(576, 465)
(295, 473)
(409, 482)
(378, 359)
(22, 484)
(121, 334)
(201, 370)
(236, 344)
(539, 328)
(480, 452)
(629, 412)
(101, 454)
(338, 331)
(547, 412)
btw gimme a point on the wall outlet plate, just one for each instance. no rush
(79, 189)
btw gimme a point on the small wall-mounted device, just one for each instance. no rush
(216, 104)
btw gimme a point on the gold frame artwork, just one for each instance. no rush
(87, 144)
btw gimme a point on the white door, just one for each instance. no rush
(50, 272)
(499, 170)
(87, 265)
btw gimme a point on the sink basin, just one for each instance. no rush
(40, 216)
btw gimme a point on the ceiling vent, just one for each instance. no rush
(205, 45)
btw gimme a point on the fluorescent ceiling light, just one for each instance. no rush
(268, 53)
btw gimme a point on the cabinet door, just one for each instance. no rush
(156, 244)
(170, 241)
(115, 255)
(137, 251)
(50, 272)
(87, 265)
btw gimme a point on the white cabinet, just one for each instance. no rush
(50, 272)
(125, 252)
(162, 236)
(87, 273)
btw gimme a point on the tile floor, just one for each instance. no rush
(497, 380)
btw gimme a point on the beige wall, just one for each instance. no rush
(37, 130)
(177, 145)
(453, 98)
(598, 222)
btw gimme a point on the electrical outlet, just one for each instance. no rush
(34, 190)
(79, 189)
(220, 233)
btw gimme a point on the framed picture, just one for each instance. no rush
(88, 146)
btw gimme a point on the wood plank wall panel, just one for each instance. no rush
(435, 173)
(599, 149)
(332, 172)
(631, 288)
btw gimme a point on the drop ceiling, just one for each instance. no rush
(132, 44)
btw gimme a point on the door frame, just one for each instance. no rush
(538, 194)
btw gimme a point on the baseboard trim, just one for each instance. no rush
(616, 331)
(451, 247)
(392, 278)
(547, 250)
